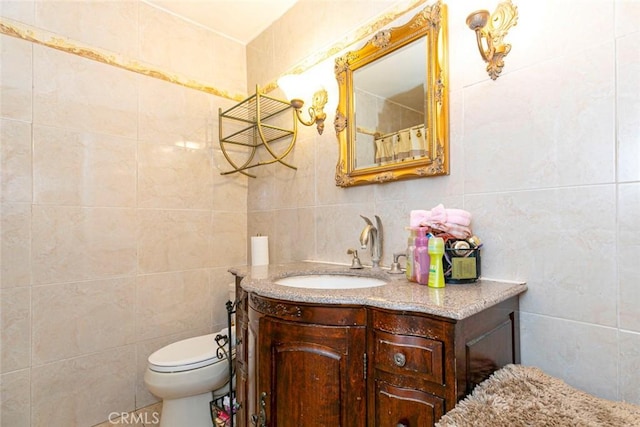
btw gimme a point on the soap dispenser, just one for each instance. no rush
(411, 247)
(421, 259)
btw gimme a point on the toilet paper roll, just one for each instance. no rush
(232, 291)
(259, 250)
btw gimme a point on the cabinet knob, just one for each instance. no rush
(400, 360)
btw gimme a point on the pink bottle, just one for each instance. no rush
(421, 259)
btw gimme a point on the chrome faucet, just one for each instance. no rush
(372, 236)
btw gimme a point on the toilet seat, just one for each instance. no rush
(188, 354)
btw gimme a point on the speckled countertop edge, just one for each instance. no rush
(453, 301)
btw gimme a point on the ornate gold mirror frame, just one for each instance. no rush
(430, 23)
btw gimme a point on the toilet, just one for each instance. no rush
(187, 375)
(184, 375)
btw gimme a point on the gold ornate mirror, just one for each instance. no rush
(392, 119)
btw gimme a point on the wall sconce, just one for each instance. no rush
(295, 90)
(490, 30)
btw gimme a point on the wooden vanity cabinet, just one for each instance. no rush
(314, 365)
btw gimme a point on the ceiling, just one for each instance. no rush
(241, 20)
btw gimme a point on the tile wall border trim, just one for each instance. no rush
(25, 32)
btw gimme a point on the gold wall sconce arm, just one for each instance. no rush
(293, 87)
(316, 112)
(490, 31)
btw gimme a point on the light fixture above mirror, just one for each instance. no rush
(490, 30)
(296, 89)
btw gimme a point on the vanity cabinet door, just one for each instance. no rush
(309, 364)
(313, 375)
(485, 342)
(405, 407)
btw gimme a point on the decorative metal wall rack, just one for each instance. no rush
(252, 127)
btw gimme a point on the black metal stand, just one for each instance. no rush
(221, 352)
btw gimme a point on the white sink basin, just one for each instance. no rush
(330, 281)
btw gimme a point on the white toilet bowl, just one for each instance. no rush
(184, 375)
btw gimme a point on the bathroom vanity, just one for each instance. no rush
(395, 355)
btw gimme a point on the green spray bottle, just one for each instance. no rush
(436, 271)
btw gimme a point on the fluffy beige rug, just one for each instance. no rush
(518, 395)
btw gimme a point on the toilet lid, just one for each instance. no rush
(192, 353)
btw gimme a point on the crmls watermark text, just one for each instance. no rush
(133, 418)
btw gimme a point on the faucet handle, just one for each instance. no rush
(395, 266)
(355, 262)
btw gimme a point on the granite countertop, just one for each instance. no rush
(452, 301)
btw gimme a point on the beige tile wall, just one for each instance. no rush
(545, 158)
(123, 247)
(115, 237)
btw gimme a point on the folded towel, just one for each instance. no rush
(458, 216)
(456, 230)
(439, 215)
(418, 217)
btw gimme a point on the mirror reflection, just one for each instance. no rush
(389, 106)
(392, 118)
